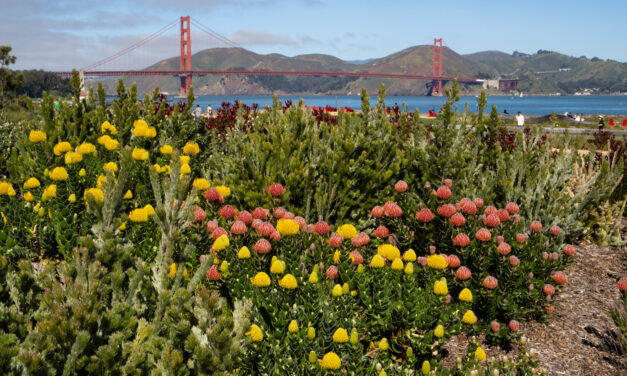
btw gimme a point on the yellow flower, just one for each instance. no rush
(28, 196)
(106, 126)
(10, 191)
(100, 181)
(409, 268)
(437, 262)
(277, 267)
(142, 130)
(347, 231)
(480, 354)
(336, 256)
(72, 198)
(337, 290)
(221, 243)
(288, 282)
(191, 148)
(72, 157)
(201, 184)
(261, 279)
(50, 191)
(37, 136)
(330, 360)
(172, 273)
(111, 144)
(340, 335)
(224, 191)
(345, 288)
(110, 166)
(140, 123)
(383, 344)
(151, 132)
(61, 148)
(255, 333)
(138, 215)
(377, 261)
(166, 149)
(397, 264)
(313, 358)
(440, 288)
(410, 255)
(465, 295)
(224, 266)
(31, 183)
(86, 148)
(102, 140)
(313, 277)
(311, 333)
(287, 226)
(96, 193)
(140, 154)
(5, 188)
(389, 251)
(185, 169)
(166, 169)
(426, 368)
(469, 317)
(59, 174)
(439, 331)
(82, 172)
(128, 195)
(354, 338)
(293, 326)
(122, 226)
(243, 253)
(184, 159)
(149, 210)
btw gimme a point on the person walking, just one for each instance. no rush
(209, 111)
(601, 123)
(520, 119)
(197, 112)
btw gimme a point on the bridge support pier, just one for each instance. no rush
(437, 67)
(186, 56)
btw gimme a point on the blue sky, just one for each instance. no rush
(66, 34)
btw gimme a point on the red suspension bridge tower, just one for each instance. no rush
(437, 68)
(186, 56)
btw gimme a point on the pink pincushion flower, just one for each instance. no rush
(503, 215)
(211, 225)
(227, 212)
(453, 261)
(265, 229)
(548, 289)
(622, 284)
(401, 186)
(569, 250)
(275, 236)
(425, 215)
(463, 273)
(499, 239)
(212, 195)
(245, 217)
(377, 211)
(514, 325)
(276, 189)
(360, 240)
(448, 182)
(483, 235)
(199, 215)
(490, 210)
(261, 213)
(322, 228)
(392, 209)
(279, 212)
(332, 272)
(335, 241)
(461, 240)
(514, 261)
(555, 230)
(213, 273)
(560, 278)
(516, 219)
(256, 223)
(443, 192)
(446, 210)
(381, 232)
(422, 261)
(457, 219)
(469, 208)
(545, 255)
(492, 220)
(238, 228)
(218, 232)
(356, 257)
(302, 223)
(478, 202)
(504, 248)
(554, 256)
(521, 238)
(289, 215)
(512, 208)
(262, 246)
(536, 226)
(495, 326)
(490, 283)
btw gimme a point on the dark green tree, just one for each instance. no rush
(10, 81)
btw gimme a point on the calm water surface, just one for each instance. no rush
(531, 105)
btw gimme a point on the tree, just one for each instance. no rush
(9, 81)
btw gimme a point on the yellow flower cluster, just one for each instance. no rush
(202, 184)
(141, 129)
(185, 169)
(293, 326)
(166, 149)
(340, 335)
(128, 195)
(28, 196)
(440, 287)
(108, 142)
(260, 279)
(288, 282)
(59, 174)
(465, 295)
(224, 191)
(480, 354)
(221, 243)
(287, 226)
(437, 262)
(96, 193)
(140, 154)
(61, 148)
(337, 290)
(72, 198)
(72, 157)
(389, 251)
(331, 360)
(37, 136)
(110, 166)
(409, 268)
(50, 192)
(255, 333)
(469, 317)
(191, 148)
(377, 261)
(277, 266)
(383, 344)
(86, 148)
(347, 231)
(243, 253)
(107, 127)
(397, 264)
(165, 169)
(6, 189)
(31, 183)
(410, 255)
(141, 214)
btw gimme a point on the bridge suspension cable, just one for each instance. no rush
(133, 46)
(214, 34)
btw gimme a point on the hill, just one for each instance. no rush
(545, 72)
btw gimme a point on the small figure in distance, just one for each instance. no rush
(601, 122)
(520, 119)
(197, 112)
(505, 112)
(209, 111)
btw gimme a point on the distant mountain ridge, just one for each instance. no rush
(544, 72)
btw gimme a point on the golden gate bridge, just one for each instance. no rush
(185, 71)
